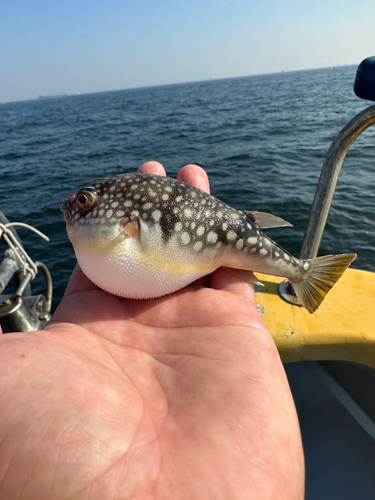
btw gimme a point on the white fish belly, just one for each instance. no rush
(134, 278)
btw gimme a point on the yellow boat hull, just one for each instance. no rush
(343, 328)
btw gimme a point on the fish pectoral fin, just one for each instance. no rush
(131, 229)
(131, 226)
(265, 221)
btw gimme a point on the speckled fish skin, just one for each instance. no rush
(144, 236)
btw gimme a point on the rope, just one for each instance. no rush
(26, 263)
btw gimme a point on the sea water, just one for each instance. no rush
(261, 139)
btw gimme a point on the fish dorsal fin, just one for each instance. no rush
(266, 221)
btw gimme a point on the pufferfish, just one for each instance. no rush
(143, 236)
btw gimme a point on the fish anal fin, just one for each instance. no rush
(324, 272)
(266, 221)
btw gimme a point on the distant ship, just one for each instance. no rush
(56, 94)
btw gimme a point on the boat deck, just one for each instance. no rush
(336, 413)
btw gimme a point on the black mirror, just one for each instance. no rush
(364, 84)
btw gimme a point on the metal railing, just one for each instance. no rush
(21, 311)
(328, 180)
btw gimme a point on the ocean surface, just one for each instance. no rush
(262, 140)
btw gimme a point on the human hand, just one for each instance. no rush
(180, 397)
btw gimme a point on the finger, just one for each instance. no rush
(196, 176)
(235, 281)
(152, 167)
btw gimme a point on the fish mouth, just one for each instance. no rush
(65, 210)
(65, 207)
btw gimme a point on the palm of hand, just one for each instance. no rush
(182, 397)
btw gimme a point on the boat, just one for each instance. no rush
(50, 96)
(343, 327)
(329, 356)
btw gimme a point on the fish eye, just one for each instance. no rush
(85, 200)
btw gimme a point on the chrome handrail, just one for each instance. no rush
(328, 179)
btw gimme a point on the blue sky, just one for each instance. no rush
(92, 45)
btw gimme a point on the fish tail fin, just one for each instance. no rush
(324, 272)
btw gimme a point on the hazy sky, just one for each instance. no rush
(95, 45)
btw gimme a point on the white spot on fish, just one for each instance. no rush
(185, 238)
(225, 226)
(211, 237)
(165, 197)
(231, 235)
(235, 216)
(200, 230)
(187, 212)
(253, 240)
(156, 214)
(197, 246)
(179, 198)
(178, 226)
(128, 203)
(263, 251)
(120, 213)
(239, 244)
(306, 266)
(147, 206)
